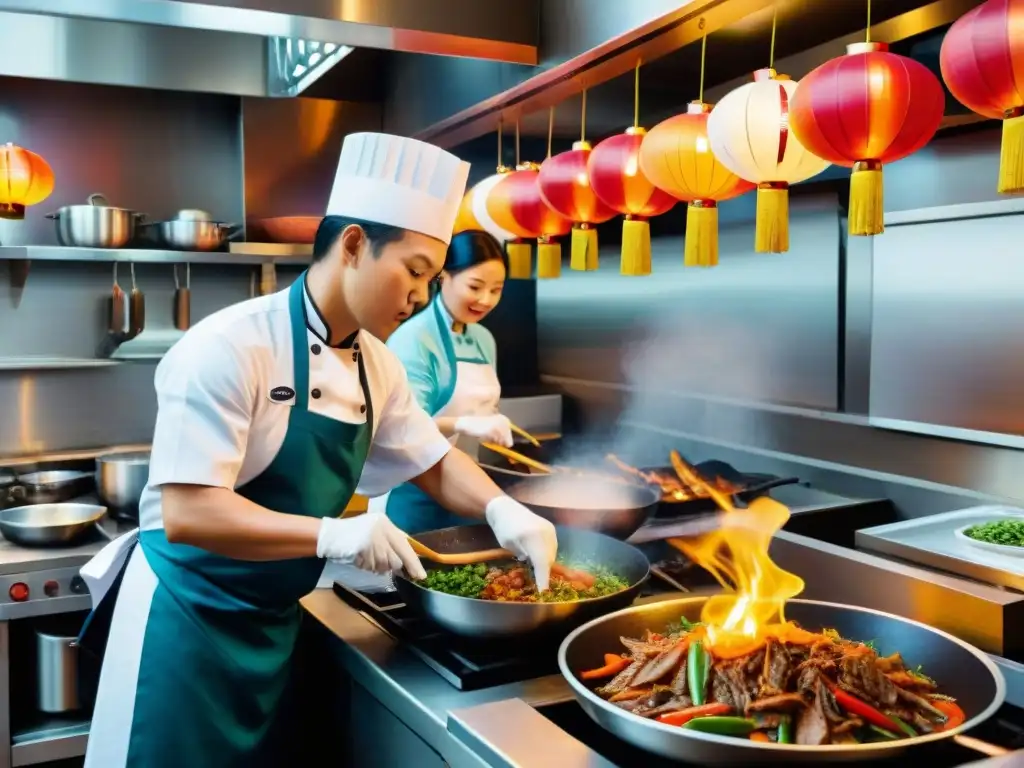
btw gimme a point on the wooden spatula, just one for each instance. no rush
(461, 558)
(517, 457)
(525, 435)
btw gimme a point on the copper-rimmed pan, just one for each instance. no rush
(960, 670)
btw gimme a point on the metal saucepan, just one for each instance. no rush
(95, 224)
(48, 525)
(120, 480)
(961, 671)
(51, 486)
(610, 506)
(491, 619)
(188, 232)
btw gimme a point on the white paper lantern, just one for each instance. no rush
(749, 134)
(473, 211)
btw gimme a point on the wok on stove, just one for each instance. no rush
(488, 618)
(960, 670)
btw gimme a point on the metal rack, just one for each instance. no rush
(242, 254)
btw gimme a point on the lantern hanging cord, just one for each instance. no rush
(636, 96)
(583, 118)
(517, 142)
(703, 54)
(771, 52)
(867, 33)
(501, 126)
(551, 127)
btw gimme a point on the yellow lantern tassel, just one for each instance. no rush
(1011, 156)
(519, 266)
(866, 203)
(549, 258)
(584, 248)
(772, 232)
(701, 249)
(636, 247)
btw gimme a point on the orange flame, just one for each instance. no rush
(736, 554)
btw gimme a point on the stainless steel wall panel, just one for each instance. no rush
(291, 151)
(759, 327)
(153, 151)
(115, 53)
(946, 323)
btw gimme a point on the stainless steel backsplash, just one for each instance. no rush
(797, 355)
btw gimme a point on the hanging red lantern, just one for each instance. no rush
(25, 179)
(863, 110)
(982, 61)
(616, 178)
(676, 156)
(515, 204)
(564, 183)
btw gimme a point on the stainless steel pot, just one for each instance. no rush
(120, 479)
(47, 525)
(50, 487)
(189, 234)
(95, 224)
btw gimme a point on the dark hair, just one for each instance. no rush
(331, 227)
(470, 248)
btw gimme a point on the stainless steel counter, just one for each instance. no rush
(498, 727)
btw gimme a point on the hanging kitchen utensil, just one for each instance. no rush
(460, 558)
(119, 327)
(136, 308)
(252, 284)
(183, 299)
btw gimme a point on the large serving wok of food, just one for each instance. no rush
(832, 682)
(753, 675)
(595, 574)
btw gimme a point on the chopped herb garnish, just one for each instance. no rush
(1008, 532)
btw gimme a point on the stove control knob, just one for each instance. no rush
(78, 585)
(51, 588)
(18, 592)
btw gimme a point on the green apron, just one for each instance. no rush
(408, 507)
(220, 635)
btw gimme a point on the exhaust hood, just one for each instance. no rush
(246, 47)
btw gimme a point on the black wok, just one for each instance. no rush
(488, 618)
(629, 505)
(751, 485)
(961, 671)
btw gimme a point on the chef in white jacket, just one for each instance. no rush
(270, 412)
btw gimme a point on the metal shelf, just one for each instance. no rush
(259, 254)
(54, 363)
(49, 739)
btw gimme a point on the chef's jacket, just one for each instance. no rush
(225, 429)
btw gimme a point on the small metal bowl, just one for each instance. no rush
(49, 525)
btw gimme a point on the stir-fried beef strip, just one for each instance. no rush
(662, 665)
(812, 723)
(818, 688)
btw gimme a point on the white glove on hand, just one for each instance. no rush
(370, 542)
(526, 535)
(493, 429)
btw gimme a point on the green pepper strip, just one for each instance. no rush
(722, 726)
(697, 668)
(903, 726)
(785, 734)
(883, 733)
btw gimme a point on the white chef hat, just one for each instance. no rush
(399, 181)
